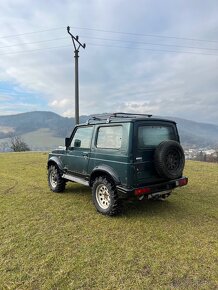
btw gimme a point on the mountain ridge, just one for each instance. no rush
(192, 133)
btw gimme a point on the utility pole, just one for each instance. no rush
(76, 44)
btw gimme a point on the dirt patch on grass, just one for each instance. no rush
(146, 270)
(186, 282)
(10, 189)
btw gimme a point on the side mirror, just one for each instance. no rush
(77, 143)
(67, 142)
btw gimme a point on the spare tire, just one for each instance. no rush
(169, 159)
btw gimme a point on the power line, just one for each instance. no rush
(34, 50)
(142, 34)
(150, 43)
(156, 50)
(32, 32)
(34, 42)
(16, 91)
(113, 46)
(8, 94)
(115, 32)
(111, 39)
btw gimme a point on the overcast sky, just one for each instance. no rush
(164, 62)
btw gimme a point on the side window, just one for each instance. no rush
(109, 137)
(82, 137)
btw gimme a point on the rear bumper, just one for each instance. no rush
(150, 189)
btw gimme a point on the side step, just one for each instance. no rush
(75, 179)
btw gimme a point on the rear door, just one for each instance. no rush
(148, 135)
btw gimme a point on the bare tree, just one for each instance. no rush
(18, 145)
(4, 146)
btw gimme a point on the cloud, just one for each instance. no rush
(112, 79)
(60, 103)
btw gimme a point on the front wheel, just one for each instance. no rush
(105, 197)
(55, 181)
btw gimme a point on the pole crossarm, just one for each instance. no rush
(75, 39)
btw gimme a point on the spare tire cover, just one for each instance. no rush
(169, 159)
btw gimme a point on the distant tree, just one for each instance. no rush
(215, 156)
(4, 146)
(201, 156)
(18, 145)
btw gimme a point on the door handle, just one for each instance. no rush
(85, 154)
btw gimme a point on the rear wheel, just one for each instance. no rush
(105, 197)
(55, 181)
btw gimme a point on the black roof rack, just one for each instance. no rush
(130, 115)
(108, 117)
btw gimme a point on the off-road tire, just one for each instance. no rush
(105, 197)
(169, 159)
(55, 181)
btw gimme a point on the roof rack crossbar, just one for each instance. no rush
(108, 117)
(131, 114)
(97, 118)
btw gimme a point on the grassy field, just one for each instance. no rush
(59, 241)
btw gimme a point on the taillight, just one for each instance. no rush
(141, 191)
(183, 181)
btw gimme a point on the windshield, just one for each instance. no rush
(154, 135)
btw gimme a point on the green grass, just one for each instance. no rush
(59, 241)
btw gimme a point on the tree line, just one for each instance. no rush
(202, 156)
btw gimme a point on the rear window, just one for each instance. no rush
(154, 135)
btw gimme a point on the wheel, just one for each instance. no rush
(105, 197)
(169, 159)
(55, 181)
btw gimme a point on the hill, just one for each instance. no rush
(44, 130)
(196, 133)
(41, 130)
(32, 121)
(59, 241)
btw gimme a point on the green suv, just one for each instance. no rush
(120, 156)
